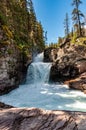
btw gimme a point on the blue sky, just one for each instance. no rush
(52, 13)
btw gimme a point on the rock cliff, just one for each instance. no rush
(69, 64)
(38, 119)
(12, 67)
(14, 55)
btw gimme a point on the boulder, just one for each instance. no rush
(78, 83)
(50, 54)
(38, 119)
(81, 65)
(64, 68)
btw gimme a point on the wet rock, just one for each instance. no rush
(78, 83)
(6, 88)
(5, 106)
(38, 119)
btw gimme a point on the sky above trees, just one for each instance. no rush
(52, 13)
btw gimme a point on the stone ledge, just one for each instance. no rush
(38, 119)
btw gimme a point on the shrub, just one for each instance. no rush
(3, 19)
(10, 51)
(7, 31)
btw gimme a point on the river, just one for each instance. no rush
(38, 92)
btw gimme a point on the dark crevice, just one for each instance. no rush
(47, 122)
(17, 122)
(66, 123)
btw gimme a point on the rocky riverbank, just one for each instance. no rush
(38, 119)
(69, 64)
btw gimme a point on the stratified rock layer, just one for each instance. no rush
(37, 119)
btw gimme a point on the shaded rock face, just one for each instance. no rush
(11, 66)
(36, 119)
(10, 73)
(62, 73)
(70, 64)
(50, 54)
(81, 65)
(5, 106)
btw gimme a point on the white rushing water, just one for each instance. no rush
(37, 92)
(38, 71)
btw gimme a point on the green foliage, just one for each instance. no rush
(3, 19)
(77, 15)
(7, 31)
(35, 29)
(73, 40)
(66, 26)
(6, 42)
(81, 41)
(10, 51)
(19, 23)
(60, 40)
(39, 37)
(54, 45)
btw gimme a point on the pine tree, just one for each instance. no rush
(60, 40)
(31, 19)
(85, 20)
(66, 26)
(45, 37)
(72, 32)
(39, 39)
(31, 25)
(35, 29)
(76, 15)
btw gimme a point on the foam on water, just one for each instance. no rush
(37, 92)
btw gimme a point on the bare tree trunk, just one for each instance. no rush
(79, 23)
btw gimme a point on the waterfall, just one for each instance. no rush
(38, 71)
(38, 92)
